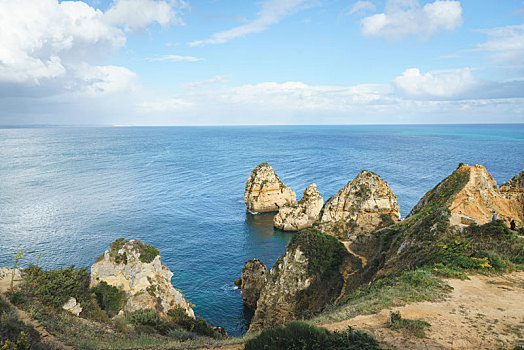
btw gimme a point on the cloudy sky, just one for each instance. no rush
(193, 62)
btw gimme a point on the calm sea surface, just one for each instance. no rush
(69, 192)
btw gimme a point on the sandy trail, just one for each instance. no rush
(481, 313)
(45, 336)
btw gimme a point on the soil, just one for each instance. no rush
(485, 312)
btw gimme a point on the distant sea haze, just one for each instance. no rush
(69, 192)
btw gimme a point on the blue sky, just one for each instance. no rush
(218, 62)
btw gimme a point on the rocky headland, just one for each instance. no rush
(449, 231)
(135, 268)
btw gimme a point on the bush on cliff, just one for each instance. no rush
(109, 298)
(303, 336)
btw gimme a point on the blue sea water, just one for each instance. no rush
(68, 192)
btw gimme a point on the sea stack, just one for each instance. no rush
(135, 268)
(265, 192)
(364, 205)
(252, 281)
(304, 215)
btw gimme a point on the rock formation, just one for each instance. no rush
(303, 281)
(480, 197)
(304, 215)
(265, 192)
(364, 205)
(252, 281)
(72, 306)
(136, 268)
(514, 190)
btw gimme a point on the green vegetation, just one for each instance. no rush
(197, 324)
(14, 334)
(325, 253)
(385, 292)
(148, 253)
(109, 298)
(300, 335)
(416, 328)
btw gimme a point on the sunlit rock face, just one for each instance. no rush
(304, 215)
(265, 192)
(364, 205)
(135, 268)
(480, 198)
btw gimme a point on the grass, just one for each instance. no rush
(415, 328)
(303, 336)
(388, 291)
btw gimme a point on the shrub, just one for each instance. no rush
(14, 334)
(57, 286)
(148, 254)
(413, 327)
(146, 317)
(110, 298)
(18, 297)
(303, 336)
(197, 325)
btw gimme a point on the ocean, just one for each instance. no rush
(68, 192)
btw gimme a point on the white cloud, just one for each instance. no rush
(217, 79)
(174, 58)
(272, 12)
(507, 46)
(360, 7)
(48, 47)
(454, 84)
(138, 14)
(42, 39)
(402, 18)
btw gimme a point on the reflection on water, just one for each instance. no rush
(261, 224)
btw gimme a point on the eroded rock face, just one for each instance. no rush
(303, 281)
(364, 205)
(480, 197)
(304, 215)
(136, 268)
(514, 189)
(72, 306)
(265, 192)
(252, 281)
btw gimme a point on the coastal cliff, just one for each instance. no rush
(307, 277)
(252, 281)
(304, 215)
(136, 269)
(513, 190)
(265, 192)
(364, 205)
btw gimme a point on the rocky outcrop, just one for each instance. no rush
(480, 198)
(252, 281)
(514, 190)
(265, 192)
(364, 205)
(135, 268)
(304, 215)
(72, 306)
(303, 281)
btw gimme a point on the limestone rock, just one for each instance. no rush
(136, 268)
(480, 197)
(6, 272)
(364, 205)
(252, 281)
(72, 306)
(301, 282)
(265, 192)
(513, 189)
(304, 215)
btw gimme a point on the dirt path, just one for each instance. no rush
(346, 273)
(481, 313)
(24, 317)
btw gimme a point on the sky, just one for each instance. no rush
(229, 62)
